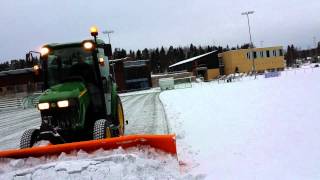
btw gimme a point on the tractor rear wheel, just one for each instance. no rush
(29, 138)
(102, 129)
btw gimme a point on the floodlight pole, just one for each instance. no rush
(251, 44)
(108, 33)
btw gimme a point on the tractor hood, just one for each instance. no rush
(63, 91)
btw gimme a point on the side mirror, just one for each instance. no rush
(29, 57)
(32, 61)
(107, 50)
(32, 58)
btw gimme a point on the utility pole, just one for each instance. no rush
(108, 33)
(251, 44)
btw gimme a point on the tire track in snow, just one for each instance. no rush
(14, 123)
(145, 115)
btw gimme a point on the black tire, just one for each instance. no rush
(29, 138)
(102, 129)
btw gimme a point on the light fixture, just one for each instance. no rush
(94, 31)
(43, 106)
(101, 61)
(44, 51)
(88, 45)
(62, 104)
(36, 67)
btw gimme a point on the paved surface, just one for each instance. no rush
(143, 111)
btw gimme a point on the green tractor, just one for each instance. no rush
(80, 100)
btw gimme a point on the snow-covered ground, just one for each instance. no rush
(131, 164)
(13, 122)
(249, 129)
(145, 113)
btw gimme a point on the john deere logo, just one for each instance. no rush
(53, 105)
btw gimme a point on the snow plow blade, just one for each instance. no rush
(166, 143)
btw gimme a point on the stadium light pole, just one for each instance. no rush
(108, 33)
(247, 13)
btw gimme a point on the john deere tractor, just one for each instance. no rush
(80, 100)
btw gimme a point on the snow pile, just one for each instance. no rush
(249, 129)
(133, 163)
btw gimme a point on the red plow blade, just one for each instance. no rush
(166, 143)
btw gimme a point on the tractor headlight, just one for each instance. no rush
(88, 45)
(36, 67)
(44, 51)
(62, 104)
(43, 106)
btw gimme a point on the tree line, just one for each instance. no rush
(293, 54)
(161, 58)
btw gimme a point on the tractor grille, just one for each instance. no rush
(62, 118)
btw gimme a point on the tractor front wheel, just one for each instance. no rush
(102, 129)
(120, 117)
(29, 138)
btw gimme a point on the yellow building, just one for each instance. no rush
(241, 60)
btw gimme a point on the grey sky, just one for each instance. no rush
(26, 25)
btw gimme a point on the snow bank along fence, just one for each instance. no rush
(272, 74)
(302, 69)
(176, 75)
(231, 77)
(166, 83)
(175, 83)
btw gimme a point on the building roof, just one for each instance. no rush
(16, 71)
(191, 59)
(121, 59)
(252, 49)
(137, 63)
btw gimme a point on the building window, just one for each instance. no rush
(249, 55)
(254, 54)
(274, 53)
(280, 52)
(268, 53)
(261, 54)
(221, 63)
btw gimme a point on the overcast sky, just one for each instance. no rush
(28, 24)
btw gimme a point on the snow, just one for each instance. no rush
(145, 114)
(134, 163)
(191, 59)
(249, 129)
